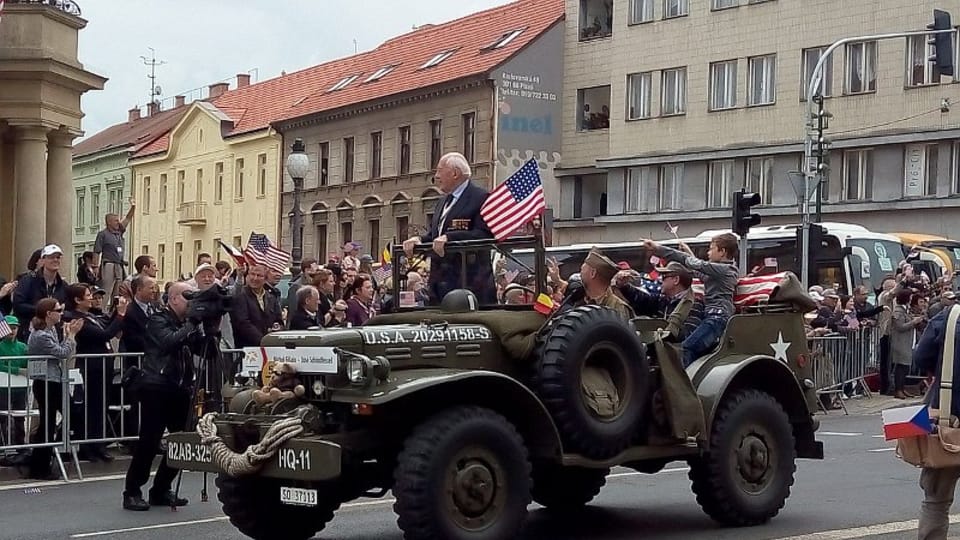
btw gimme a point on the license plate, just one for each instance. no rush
(298, 496)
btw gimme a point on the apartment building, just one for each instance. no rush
(671, 105)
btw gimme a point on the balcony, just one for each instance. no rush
(192, 214)
(67, 6)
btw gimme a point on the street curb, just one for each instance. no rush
(12, 475)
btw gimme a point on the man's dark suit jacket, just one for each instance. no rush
(134, 329)
(463, 222)
(250, 323)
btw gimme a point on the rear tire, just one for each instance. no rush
(462, 475)
(253, 506)
(746, 476)
(566, 489)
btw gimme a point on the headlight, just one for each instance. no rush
(356, 368)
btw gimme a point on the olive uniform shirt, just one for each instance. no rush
(610, 300)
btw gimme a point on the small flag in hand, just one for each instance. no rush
(387, 256)
(515, 202)
(903, 422)
(672, 229)
(5, 329)
(260, 250)
(234, 253)
(381, 273)
(544, 304)
(655, 262)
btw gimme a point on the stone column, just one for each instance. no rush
(60, 197)
(30, 172)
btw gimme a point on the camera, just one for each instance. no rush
(208, 305)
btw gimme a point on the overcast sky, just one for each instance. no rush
(209, 40)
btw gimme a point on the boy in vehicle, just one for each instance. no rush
(719, 275)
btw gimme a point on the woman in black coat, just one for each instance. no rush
(97, 372)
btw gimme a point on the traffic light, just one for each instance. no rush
(743, 219)
(942, 43)
(820, 254)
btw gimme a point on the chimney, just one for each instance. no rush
(243, 79)
(153, 108)
(218, 89)
(179, 101)
(134, 114)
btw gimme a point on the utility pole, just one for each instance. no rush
(152, 62)
(939, 40)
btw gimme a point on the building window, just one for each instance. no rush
(144, 250)
(857, 175)
(162, 260)
(920, 70)
(673, 91)
(146, 195)
(810, 59)
(596, 19)
(641, 11)
(261, 175)
(674, 8)
(641, 190)
(81, 207)
(669, 190)
(505, 39)
(113, 200)
(437, 58)
(724, 4)
(720, 183)
(199, 185)
(594, 104)
(379, 74)
(238, 180)
(94, 206)
(346, 232)
(763, 80)
(181, 187)
(324, 163)
(320, 240)
(374, 225)
(162, 196)
(403, 134)
(343, 83)
(348, 160)
(920, 170)
(376, 153)
(436, 142)
(760, 178)
(723, 85)
(197, 249)
(178, 259)
(469, 121)
(638, 95)
(218, 182)
(861, 67)
(402, 232)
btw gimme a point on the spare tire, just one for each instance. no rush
(591, 374)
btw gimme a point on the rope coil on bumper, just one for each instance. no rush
(248, 462)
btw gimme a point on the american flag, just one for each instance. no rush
(260, 250)
(383, 272)
(515, 202)
(5, 329)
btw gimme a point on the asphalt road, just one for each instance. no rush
(859, 491)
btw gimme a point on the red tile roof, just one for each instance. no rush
(136, 135)
(306, 92)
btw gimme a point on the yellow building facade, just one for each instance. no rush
(195, 187)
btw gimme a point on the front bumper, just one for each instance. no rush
(306, 459)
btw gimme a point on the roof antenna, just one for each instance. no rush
(155, 89)
(355, 46)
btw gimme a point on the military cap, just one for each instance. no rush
(673, 268)
(605, 267)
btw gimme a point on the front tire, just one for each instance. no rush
(463, 474)
(566, 489)
(746, 476)
(253, 506)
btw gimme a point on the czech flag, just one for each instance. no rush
(544, 305)
(904, 422)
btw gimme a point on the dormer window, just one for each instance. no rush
(343, 83)
(439, 57)
(505, 39)
(380, 73)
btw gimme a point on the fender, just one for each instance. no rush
(420, 390)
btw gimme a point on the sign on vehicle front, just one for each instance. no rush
(298, 496)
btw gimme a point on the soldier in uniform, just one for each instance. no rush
(596, 274)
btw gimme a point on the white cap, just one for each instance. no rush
(205, 266)
(51, 249)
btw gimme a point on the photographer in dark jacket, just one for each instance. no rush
(164, 389)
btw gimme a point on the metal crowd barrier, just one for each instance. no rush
(93, 409)
(842, 361)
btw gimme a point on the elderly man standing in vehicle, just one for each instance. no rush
(455, 218)
(109, 249)
(596, 274)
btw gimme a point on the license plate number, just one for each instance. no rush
(298, 496)
(183, 451)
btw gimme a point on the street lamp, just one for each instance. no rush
(297, 165)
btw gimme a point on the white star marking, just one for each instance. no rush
(780, 348)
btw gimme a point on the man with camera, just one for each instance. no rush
(164, 388)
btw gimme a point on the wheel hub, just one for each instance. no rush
(753, 458)
(476, 494)
(474, 489)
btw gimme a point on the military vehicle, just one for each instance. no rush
(466, 413)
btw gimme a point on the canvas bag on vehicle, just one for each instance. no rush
(941, 448)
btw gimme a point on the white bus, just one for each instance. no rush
(850, 256)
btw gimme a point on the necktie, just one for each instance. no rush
(447, 205)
